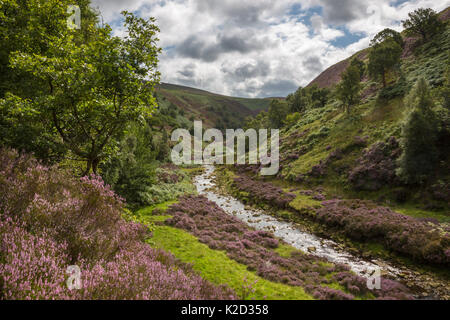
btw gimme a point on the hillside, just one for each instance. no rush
(215, 110)
(332, 75)
(355, 155)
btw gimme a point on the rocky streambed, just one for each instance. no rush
(424, 286)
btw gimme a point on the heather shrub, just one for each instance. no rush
(376, 167)
(264, 191)
(220, 231)
(364, 221)
(50, 220)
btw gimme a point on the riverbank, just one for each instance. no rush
(427, 282)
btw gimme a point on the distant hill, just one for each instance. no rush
(332, 76)
(215, 110)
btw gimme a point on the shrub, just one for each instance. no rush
(264, 191)
(50, 220)
(376, 167)
(364, 221)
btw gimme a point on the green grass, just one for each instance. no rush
(285, 250)
(303, 202)
(216, 267)
(161, 207)
(410, 210)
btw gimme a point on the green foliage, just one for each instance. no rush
(26, 27)
(360, 65)
(348, 90)
(446, 88)
(278, 112)
(384, 57)
(91, 87)
(292, 119)
(319, 96)
(387, 34)
(130, 171)
(299, 101)
(261, 121)
(308, 98)
(424, 23)
(398, 89)
(419, 136)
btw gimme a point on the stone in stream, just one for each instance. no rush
(312, 249)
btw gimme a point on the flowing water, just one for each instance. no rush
(424, 285)
(286, 231)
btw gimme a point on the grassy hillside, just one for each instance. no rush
(355, 155)
(215, 110)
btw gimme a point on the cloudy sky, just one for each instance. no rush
(260, 48)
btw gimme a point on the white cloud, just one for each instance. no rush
(259, 48)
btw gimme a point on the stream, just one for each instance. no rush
(293, 234)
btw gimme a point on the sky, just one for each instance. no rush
(259, 48)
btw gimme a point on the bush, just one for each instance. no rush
(363, 221)
(50, 220)
(376, 167)
(264, 191)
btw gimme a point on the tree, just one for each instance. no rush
(348, 89)
(385, 35)
(130, 170)
(319, 96)
(360, 65)
(277, 113)
(95, 87)
(419, 136)
(383, 58)
(423, 22)
(299, 101)
(26, 27)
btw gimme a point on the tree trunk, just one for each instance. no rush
(95, 165)
(88, 168)
(384, 79)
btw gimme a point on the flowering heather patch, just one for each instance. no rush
(220, 231)
(376, 167)
(264, 191)
(167, 175)
(50, 220)
(362, 220)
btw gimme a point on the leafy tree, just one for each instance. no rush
(93, 88)
(130, 170)
(423, 22)
(348, 90)
(419, 136)
(319, 96)
(299, 101)
(261, 121)
(360, 65)
(383, 58)
(277, 113)
(26, 27)
(385, 35)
